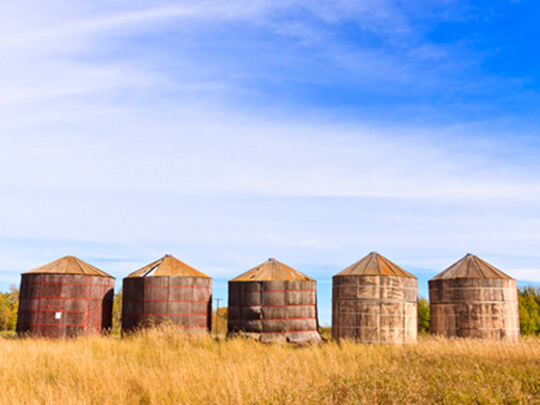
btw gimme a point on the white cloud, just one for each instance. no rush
(115, 149)
(532, 275)
(66, 31)
(61, 18)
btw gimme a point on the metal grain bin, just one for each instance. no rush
(375, 301)
(65, 298)
(167, 290)
(474, 299)
(273, 303)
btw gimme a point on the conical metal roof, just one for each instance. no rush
(374, 265)
(69, 265)
(471, 266)
(167, 266)
(272, 270)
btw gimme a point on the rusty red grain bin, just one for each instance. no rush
(273, 303)
(65, 298)
(169, 291)
(474, 299)
(374, 301)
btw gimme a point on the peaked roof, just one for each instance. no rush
(471, 266)
(167, 266)
(272, 270)
(69, 265)
(374, 265)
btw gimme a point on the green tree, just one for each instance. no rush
(4, 312)
(529, 310)
(13, 301)
(423, 316)
(117, 313)
(9, 305)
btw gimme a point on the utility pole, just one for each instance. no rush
(217, 315)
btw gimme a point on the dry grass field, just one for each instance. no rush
(165, 367)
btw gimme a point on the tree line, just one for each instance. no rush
(528, 299)
(9, 305)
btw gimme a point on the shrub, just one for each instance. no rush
(423, 316)
(9, 305)
(529, 310)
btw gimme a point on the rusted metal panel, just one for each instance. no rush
(183, 301)
(272, 270)
(275, 310)
(470, 267)
(69, 265)
(64, 305)
(374, 265)
(374, 301)
(476, 308)
(474, 299)
(384, 312)
(167, 266)
(169, 291)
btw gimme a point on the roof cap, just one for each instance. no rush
(471, 266)
(165, 267)
(69, 265)
(272, 270)
(374, 265)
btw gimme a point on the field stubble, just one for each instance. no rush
(163, 366)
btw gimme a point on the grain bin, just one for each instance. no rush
(273, 303)
(170, 291)
(473, 299)
(375, 301)
(65, 298)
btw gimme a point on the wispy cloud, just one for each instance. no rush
(63, 33)
(117, 150)
(60, 18)
(532, 275)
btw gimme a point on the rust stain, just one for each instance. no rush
(471, 266)
(69, 265)
(374, 265)
(272, 270)
(64, 305)
(167, 266)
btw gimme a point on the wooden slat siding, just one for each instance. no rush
(475, 308)
(274, 310)
(184, 301)
(374, 308)
(84, 301)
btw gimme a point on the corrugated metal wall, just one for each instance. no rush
(274, 310)
(375, 309)
(184, 301)
(64, 305)
(475, 307)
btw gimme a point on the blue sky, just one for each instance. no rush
(225, 133)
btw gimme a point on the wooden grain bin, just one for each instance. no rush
(167, 291)
(273, 303)
(375, 301)
(65, 298)
(473, 299)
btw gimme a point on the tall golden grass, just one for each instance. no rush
(163, 366)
